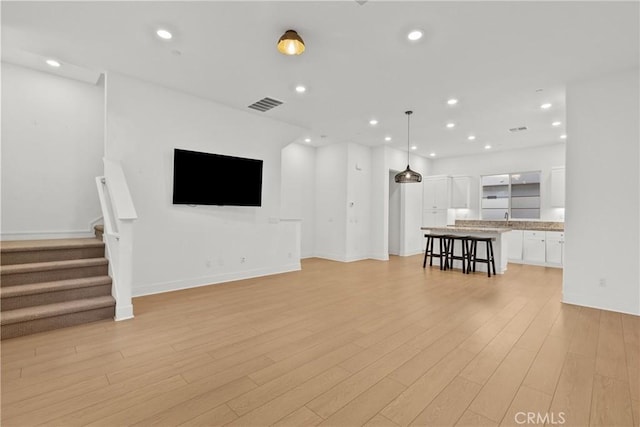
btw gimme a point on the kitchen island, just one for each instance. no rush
(497, 235)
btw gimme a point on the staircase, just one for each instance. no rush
(51, 284)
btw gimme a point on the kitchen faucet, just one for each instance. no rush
(506, 217)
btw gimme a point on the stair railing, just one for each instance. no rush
(118, 213)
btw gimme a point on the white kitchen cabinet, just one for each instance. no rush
(554, 247)
(533, 247)
(434, 218)
(460, 191)
(557, 187)
(514, 245)
(436, 192)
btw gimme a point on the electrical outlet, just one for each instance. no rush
(243, 260)
(602, 282)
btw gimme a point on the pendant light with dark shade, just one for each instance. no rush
(408, 175)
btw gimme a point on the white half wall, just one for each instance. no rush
(178, 246)
(298, 191)
(602, 225)
(542, 159)
(52, 148)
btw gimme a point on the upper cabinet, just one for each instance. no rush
(436, 192)
(557, 187)
(460, 190)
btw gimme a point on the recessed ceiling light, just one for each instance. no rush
(432, 154)
(556, 123)
(301, 89)
(471, 137)
(387, 138)
(164, 34)
(373, 122)
(413, 147)
(307, 140)
(415, 35)
(452, 101)
(563, 136)
(545, 106)
(451, 125)
(487, 147)
(52, 63)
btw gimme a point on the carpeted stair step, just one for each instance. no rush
(30, 320)
(36, 251)
(21, 274)
(21, 296)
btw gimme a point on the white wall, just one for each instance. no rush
(379, 233)
(331, 202)
(298, 191)
(531, 159)
(52, 145)
(602, 224)
(180, 246)
(358, 213)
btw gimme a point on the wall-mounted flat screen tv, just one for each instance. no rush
(214, 179)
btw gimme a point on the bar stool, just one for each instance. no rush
(465, 256)
(489, 260)
(442, 254)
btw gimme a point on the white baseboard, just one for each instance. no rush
(412, 253)
(178, 285)
(330, 257)
(539, 264)
(341, 258)
(594, 301)
(123, 313)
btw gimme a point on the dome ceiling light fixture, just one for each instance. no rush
(290, 43)
(408, 176)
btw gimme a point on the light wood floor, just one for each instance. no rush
(364, 343)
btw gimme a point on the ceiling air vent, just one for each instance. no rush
(265, 104)
(518, 129)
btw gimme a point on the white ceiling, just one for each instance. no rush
(358, 65)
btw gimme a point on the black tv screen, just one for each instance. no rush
(214, 179)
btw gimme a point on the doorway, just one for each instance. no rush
(394, 215)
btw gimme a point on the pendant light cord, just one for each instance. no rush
(408, 113)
